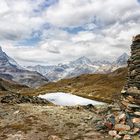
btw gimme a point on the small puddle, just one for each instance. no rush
(67, 99)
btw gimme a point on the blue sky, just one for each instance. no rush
(57, 31)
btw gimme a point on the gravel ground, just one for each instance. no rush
(36, 122)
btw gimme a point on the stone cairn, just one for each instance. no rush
(122, 121)
(130, 102)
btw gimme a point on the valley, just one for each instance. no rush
(69, 70)
(101, 87)
(34, 118)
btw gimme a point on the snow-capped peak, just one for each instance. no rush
(82, 65)
(10, 70)
(5, 58)
(81, 61)
(121, 60)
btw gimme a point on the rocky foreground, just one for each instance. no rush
(28, 121)
(27, 117)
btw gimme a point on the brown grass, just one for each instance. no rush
(19, 127)
(10, 86)
(102, 87)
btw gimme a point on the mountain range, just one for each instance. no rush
(82, 65)
(35, 76)
(12, 71)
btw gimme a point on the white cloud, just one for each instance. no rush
(76, 13)
(106, 29)
(18, 20)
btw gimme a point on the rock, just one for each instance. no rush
(127, 137)
(133, 90)
(122, 117)
(123, 91)
(18, 98)
(136, 38)
(89, 106)
(136, 120)
(118, 137)
(137, 125)
(121, 127)
(15, 137)
(88, 117)
(54, 137)
(111, 119)
(109, 125)
(133, 73)
(100, 127)
(116, 109)
(133, 106)
(130, 98)
(122, 133)
(130, 123)
(125, 103)
(16, 112)
(112, 133)
(97, 120)
(136, 130)
(137, 113)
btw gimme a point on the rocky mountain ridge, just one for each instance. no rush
(80, 66)
(11, 70)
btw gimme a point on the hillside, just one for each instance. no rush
(9, 86)
(102, 87)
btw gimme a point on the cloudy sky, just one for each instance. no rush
(55, 31)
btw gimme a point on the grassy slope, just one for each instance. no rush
(102, 87)
(9, 86)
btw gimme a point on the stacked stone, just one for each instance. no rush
(131, 95)
(124, 123)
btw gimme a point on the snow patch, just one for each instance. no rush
(67, 99)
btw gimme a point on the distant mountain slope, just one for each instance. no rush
(102, 87)
(5, 59)
(82, 65)
(10, 86)
(10, 70)
(122, 59)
